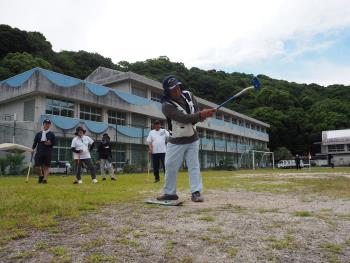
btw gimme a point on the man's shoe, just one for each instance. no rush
(113, 179)
(104, 179)
(196, 197)
(44, 181)
(94, 181)
(156, 181)
(78, 182)
(41, 178)
(167, 197)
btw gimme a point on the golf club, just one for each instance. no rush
(30, 166)
(256, 86)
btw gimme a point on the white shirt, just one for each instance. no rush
(157, 138)
(82, 143)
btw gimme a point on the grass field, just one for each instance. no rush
(25, 208)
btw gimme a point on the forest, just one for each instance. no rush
(297, 113)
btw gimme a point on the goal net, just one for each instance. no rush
(257, 159)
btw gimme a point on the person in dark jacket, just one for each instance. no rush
(297, 162)
(105, 156)
(182, 113)
(43, 144)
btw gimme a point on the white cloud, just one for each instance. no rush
(206, 34)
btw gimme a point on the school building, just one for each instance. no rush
(122, 104)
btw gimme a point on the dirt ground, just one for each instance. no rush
(230, 226)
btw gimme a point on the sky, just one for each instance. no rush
(302, 41)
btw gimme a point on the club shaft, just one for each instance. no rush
(235, 96)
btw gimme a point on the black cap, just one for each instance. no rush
(170, 83)
(47, 121)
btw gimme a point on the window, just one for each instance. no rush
(116, 117)
(139, 92)
(336, 148)
(348, 147)
(228, 137)
(29, 110)
(200, 133)
(139, 155)
(138, 120)
(227, 118)
(218, 116)
(219, 135)
(90, 113)
(59, 107)
(62, 150)
(156, 96)
(119, 154)
(210, 135)
(234, 121)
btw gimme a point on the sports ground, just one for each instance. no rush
(247, 216)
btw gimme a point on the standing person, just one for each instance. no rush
(105, 156)
(182, 113)
(157, 146)
(297, 162)
(43, 144)
(81, 147)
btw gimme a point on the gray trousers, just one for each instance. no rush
(106, 163)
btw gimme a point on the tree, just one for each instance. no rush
(16, 63)
(282, 153)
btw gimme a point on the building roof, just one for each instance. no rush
(123, 76)
(65, 81)
(336, 137)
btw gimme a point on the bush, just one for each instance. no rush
(13, 162)
(128, 168)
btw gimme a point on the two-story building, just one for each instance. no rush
(122, 104)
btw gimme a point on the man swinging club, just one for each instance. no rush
(182, 113)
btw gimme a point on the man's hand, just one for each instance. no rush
(150, 150)
(48, 142)
(207, 113)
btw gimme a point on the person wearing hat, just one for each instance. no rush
(182, 113)
(81, 147)
(43, 144)
(157, 146)
(105, 156)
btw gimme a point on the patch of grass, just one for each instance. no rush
(41, 245)
(58, 251)
(95, 257)
(232, 252)
(21, 206)
(216, 230)
(286, 242)
(128, 242)
(210, 240)
(303, 213)
(93, 244)
(332, 248)
(139, 234)
(22, 255)
(207, 218)
(169, 247)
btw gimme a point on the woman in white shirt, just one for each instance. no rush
(81, 147)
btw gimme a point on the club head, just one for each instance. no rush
(256, 83)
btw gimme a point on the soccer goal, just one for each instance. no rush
(262, 159)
